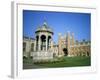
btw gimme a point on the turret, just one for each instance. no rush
(59, 44)
(72, 39)
(68, 42)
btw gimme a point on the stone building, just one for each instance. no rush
(43, 47)
(28, 46)
(68, 46)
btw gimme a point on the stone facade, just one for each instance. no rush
(28, 46)
(43, 47)
(73, 47)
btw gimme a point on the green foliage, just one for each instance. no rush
(27, 60)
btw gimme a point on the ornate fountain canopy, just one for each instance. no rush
(44, 28)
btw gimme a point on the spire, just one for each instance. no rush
(45, 23)
(72, 39)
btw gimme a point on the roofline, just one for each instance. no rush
(43, 31)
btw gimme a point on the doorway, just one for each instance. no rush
(65, 51)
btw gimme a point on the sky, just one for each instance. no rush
(60, 22)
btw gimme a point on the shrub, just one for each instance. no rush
(24, 57)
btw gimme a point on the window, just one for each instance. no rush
(32, 47)
(24, 46)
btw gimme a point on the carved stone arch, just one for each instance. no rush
(88, 53)
(43, 42)
(65, 51)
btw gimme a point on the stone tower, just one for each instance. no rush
(59, 45)
(72, 39)
(68, 43)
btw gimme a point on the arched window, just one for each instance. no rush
(87, 53)
(32, 47)
(24, 46)
(43, 42)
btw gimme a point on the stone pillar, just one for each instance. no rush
(46, 42)
(51, 44)
(39, 43)
(35, 45)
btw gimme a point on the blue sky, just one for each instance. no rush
(60, 22)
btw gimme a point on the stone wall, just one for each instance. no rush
(42, 56)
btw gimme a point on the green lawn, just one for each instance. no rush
(66, 62)
(69, 62)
